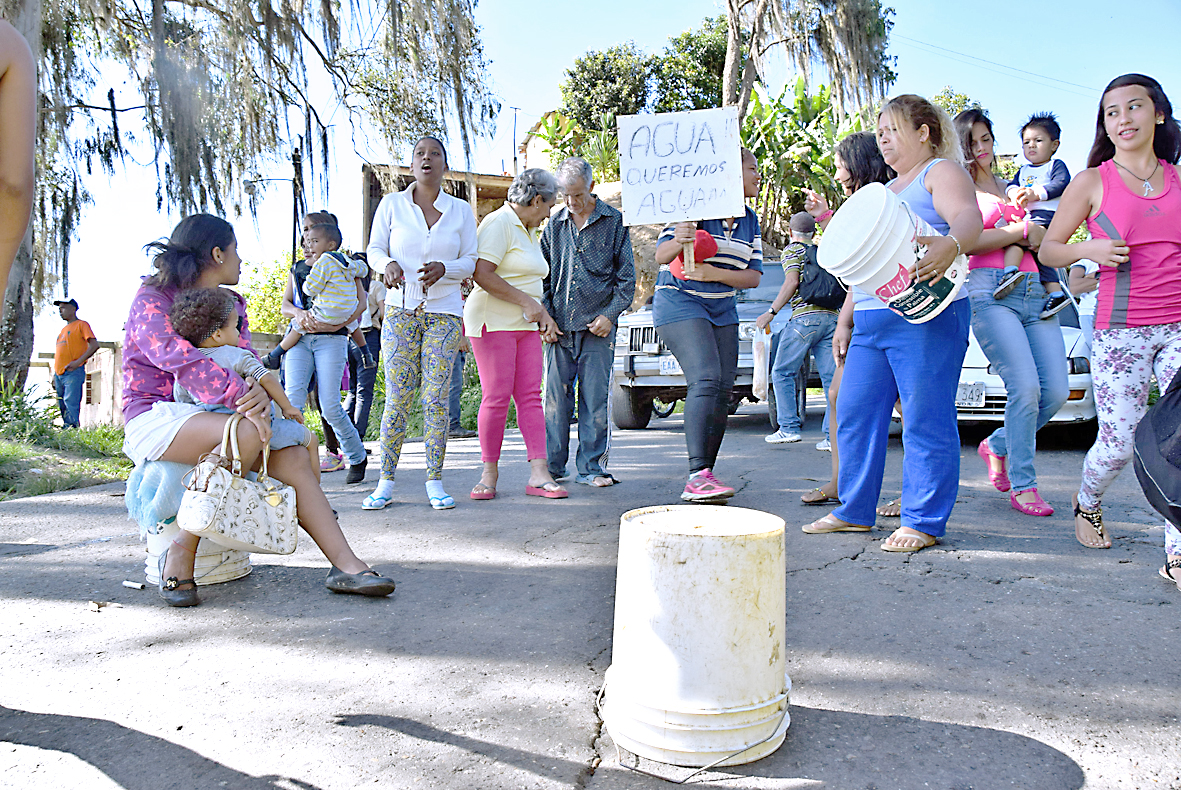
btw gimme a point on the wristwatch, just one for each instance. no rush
(772, 311)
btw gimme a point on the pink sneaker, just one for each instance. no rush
(333, 462)
(705, 487)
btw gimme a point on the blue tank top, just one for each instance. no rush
(919, 199)
(916, 196)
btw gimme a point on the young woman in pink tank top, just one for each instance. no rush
(1130, 197)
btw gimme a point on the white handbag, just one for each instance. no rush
(220, 504)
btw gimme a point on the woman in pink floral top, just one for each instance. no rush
(202, 253)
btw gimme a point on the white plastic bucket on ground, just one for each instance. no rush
(871, 242)
(214, 564)
(698, 661)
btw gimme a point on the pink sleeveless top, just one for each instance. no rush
(997, 214)
(1147, 289)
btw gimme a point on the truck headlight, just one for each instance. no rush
(747, 331)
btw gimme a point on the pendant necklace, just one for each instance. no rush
(1147, 186)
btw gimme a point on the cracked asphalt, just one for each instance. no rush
(1007, 656)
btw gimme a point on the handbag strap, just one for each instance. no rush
(230, 449)
(229, 444)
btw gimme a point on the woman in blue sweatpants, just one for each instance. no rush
(888, 357)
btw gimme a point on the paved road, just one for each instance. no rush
(1009, 656)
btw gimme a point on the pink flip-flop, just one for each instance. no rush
(557, 492)
(486, 493)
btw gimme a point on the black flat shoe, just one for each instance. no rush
(169, 588)
(367, 582)
(357, 472)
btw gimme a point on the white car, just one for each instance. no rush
(981, 396)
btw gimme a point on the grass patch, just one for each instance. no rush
(28, 471)
(37, 457)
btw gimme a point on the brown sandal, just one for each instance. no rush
(823, 500)
(1094, 519)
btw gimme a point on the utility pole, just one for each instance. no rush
(514, 109)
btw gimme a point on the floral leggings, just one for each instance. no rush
(417, 348)
(1122, 362)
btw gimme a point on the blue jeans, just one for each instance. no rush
(589, 361)
(453, 402)
(1027, 353)
(68, 387)
(888, 358)
(361, 382)
(811, 332)
(326, 355)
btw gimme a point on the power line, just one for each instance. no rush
(1010, 70)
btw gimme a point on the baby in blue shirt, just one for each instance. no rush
(1036, 188)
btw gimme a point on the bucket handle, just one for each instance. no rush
(637, 769)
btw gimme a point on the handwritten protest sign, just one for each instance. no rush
(680, 166)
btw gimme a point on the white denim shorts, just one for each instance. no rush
(148, 435)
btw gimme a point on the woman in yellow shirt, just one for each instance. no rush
(506, 323)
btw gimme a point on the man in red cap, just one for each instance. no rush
(75, 344)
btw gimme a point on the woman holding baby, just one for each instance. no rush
(1024, 348)
(202, 253)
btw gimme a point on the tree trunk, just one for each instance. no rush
(738, 77)
(733, 53)
(16, 331)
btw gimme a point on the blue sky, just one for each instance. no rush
(1013, 60)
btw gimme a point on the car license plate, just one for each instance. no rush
(970, 395)
(669, 366)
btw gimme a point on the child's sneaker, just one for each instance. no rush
(1010, 279)
(1054, 305)
(271, 360)
(704, 487)
(333, 462)
(367, 360)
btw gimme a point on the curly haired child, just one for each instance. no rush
(206, 318)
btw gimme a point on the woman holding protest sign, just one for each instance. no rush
(889, 357)
(696, 317)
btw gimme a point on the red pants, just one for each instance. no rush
(510, 365)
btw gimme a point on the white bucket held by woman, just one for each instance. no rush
(872, 242)
(698, 662)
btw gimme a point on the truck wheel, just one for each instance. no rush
(630, 408)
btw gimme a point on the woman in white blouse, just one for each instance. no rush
(424, 241)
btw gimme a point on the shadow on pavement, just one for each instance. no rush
(131, 759)
(25, 549)
(847, 750)
(540, 764)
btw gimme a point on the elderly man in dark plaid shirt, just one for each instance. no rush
(592, 279)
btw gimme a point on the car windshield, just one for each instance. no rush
(769, 284)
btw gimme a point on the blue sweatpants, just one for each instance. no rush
(891, 358)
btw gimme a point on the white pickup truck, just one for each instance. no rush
(646, 373)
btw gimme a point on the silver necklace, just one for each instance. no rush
(1147, 186)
